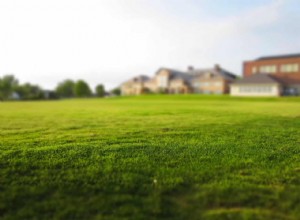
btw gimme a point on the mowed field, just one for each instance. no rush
(151, 157)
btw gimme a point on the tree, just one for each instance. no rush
(82, 89)
(65, 89)
(50, 94)
(30, 92)
(100, 91)
(116, 91)
(8, 84)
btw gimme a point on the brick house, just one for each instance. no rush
(209, 81)
(284, 69)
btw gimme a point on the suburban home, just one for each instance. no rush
(134, 86)
(208, 81)
(172, 81)
(285, 69)
(212, 81)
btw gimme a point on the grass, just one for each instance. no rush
(151, 157)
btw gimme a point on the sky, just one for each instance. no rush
(110, 41)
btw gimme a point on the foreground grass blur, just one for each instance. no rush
(151, 157)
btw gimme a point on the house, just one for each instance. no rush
(134, 86)
(279, 65)
(208, 81)
(284, 68)
(212, 81)
(172, 81)
(257, 85)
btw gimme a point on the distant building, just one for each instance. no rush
(212, 81)
(134, 86)
(284, 69)
(171, 81)
(208, 81)
(257, 85)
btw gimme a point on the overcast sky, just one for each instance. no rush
(109, 41)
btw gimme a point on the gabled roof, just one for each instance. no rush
(216, 71)
(198, 73)
(175, 74)
(259, 78)
(230, 75)
(172, 71)
(279, 57)
(138, 79)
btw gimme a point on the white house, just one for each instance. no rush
(256, 85)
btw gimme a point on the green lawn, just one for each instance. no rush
(151, 157)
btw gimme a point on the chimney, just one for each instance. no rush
(217, 67)
(190, 68)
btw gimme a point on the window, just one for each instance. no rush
(217, 84)
(290, 68)
(205, 84)
(268, 69)
(254, 69)
(163, 81)
(255, 89)
(196, 84)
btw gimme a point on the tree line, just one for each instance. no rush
(10, 88)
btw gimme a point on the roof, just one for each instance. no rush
(279, 57)
(218, 72)
(259, 78)
(138, 79)
(175, 74)
(288, 79)
(172, 71)
(198, 73)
